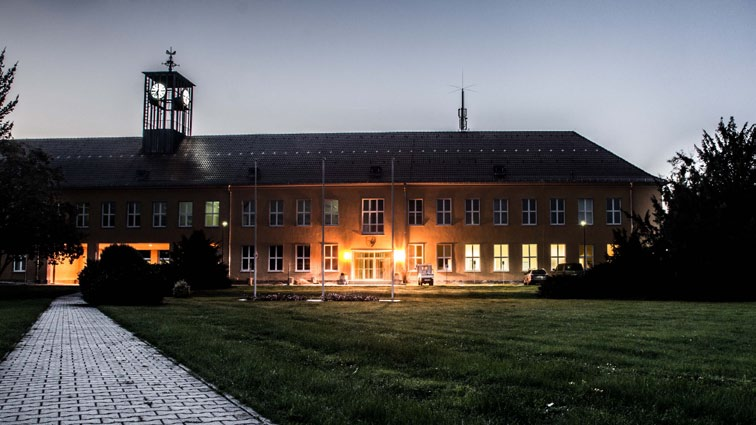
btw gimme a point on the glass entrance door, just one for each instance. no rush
(372, 265)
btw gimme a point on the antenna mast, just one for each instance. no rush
(462, 113)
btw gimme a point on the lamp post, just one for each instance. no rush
(585, 250)
(223, 231)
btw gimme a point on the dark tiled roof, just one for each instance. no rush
(349, 158)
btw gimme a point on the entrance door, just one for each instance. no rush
(372, 265)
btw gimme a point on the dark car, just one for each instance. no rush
(535, 276)
(568, 269)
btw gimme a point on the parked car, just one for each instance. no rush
(535, 276)
(568, 269)
(425, 274)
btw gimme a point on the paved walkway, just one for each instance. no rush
(77, 366)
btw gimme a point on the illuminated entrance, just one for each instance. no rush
(372, 265)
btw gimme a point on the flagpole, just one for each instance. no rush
(254, 259)
(322, 230)
(393, 253)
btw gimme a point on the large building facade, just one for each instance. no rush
(478, 206)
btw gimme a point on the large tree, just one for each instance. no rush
(34, 222)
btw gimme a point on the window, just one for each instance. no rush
(472, 212)
(249, 213)
(613, 211)
(558, 254)
(133, 214)
(304, 210)
(610, 248)
(372, 216)
(586, 256)
(331, 212)
(416, 256)
(276, 213)
(557, 211)
(501, 257)
(585, 210)
(444, 257)
(248, 258)
(472, 257)
(108, 214)
(185, 214)
(19, 264)
(443, 212)
(331, 257)
(82, 215)
(159, 214)
(302, 258)
(529, 212)
(529, 257)
(212, 213)
(501, 212)
(415, 213)
(275, 258)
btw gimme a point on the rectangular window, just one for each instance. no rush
(159, 214)
(444, 257)
(185, 214)
(501, 257)
(558, 254)
(472, 212)
(248, 258)
(276, 213)
(304, 212)
(529, 212)
(275, 258)
(529, 256)
(331, 212)
(586, 256)
(613, 211)
(557, 211)
(472, 257)
(249, 213)
(82, 215)
(212, 213)
(302, 258)
(133, 214)
(501, 212)
(108, 214)
(443, 212)
(19, 264)
(585, 211)
(415, 256)
(331, 257)
(415, 213)
(372, 216)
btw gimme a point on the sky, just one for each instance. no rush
(643, 79)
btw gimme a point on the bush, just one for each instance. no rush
(181, 289)
(196, 260)
(121, 276)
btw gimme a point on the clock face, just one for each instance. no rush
(157, 91)
(185, 98)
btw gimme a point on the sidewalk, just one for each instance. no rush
(77, 366)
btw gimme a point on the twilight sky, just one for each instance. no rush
(641, 78)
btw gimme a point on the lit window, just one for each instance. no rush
(302, 258)
(276, 213)
(304, 212)
(557, 211)
(108, 214)
(275, 258)
(529, 257)
(610, 249)
(415, 212)
(586, 256)
(159, 214)
(212, 213)
(585, 211)
(331, 212)
(248, 214)
(19, 264)
(331, 257)
(472, 211)
(443, 212)
(185, 214)
(248, 258)
(529, 212)
(472, 257)
(416, 256)
(444, 257)
(372, 216)
(501, 212)
(558, 254)
(613, 211)
(82, 215)
(133, 214)
(501, 257)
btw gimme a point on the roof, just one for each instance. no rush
(418, 157)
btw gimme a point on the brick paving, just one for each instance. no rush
(77, 366)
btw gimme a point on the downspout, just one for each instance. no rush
(632, 210)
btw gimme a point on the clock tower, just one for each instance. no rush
(168, 103)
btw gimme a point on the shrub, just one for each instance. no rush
(181, 289)
(196, 260)
(121, 276)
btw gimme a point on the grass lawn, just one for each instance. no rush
(470, 355)
(20, 306)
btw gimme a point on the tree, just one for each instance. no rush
(34, 221)
(196, 260)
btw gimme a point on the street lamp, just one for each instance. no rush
(585, 250)
(223, 231)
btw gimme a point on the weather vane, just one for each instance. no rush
(170, 63)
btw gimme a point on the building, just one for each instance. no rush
(479, 206)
